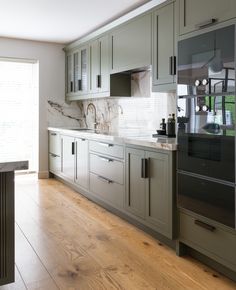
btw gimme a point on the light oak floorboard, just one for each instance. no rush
(65, 241)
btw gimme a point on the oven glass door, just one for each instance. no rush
(206, 136)
(208, 59)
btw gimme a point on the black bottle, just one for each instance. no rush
(171, 126)
(163, 126)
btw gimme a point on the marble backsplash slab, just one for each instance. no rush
(143, 111)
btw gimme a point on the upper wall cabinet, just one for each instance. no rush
(77, 72)
(131, 45)
(99, 65)
(198, 14)
(164, 60)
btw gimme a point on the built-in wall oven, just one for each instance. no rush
(206, 125)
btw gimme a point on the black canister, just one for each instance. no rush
(170, 132)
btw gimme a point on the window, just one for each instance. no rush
(19, 111)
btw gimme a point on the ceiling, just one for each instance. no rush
(60, 21)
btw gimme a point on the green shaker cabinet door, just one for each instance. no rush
(135, 184)
(68, 157)
(94, 66)
(77, 78)
(99, 65)
(163, 67)
(81, 169)
(104, 64)
(198, 14)
(158, 196)
(69, 74)
(131, 44)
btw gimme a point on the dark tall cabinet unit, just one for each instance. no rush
(7, 244)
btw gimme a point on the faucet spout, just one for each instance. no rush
(95, 114)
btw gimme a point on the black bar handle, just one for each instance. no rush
(98, 81)
(174, 65)
(170, 65)
(80, 85)
(53, 134)
(204, 225)
(73, 148)
(71, 86)
(144, 167)
(207, 23)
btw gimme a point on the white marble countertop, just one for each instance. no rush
(134, 137)
(6, 166)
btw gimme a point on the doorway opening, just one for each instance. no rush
(19, 111)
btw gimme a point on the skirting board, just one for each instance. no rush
(43, 174)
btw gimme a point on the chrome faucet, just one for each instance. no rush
(95, 114)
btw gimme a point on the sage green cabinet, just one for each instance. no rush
(195, 15)
(99, 65)
(69, 74)
(81, 166)
(149, 191)
(158, 194)
(68, 157)
(209, 238)
(54, 152)
(77, 73)
(131, 44)
(164, 60)
(135, 199)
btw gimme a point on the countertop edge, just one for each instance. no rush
(149, 142)
(7, 166)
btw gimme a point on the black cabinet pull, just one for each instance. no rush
(71, 86)
(170, 65)
(174, 65)
(98, 81)
(53, 134)
(144, 168)
(80, 85)
(204, 225)
(207, 23)
(73, 148)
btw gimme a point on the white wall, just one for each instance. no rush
(51, 86)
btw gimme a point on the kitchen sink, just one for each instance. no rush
(81, 129)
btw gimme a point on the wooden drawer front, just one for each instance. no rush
(54, 163)
(54, 143)
(217, 242)
(107, 167)
(109, 191)
(107, 148)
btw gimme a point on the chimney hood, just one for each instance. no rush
(120, 83)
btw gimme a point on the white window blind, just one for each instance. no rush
(19, 111)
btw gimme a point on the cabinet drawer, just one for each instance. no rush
(215, 241)
(54, 163)
(107, 167)
(54, 143)
(107, 148)
(109, 191)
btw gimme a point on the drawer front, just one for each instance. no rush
(54, 163)
(107, 148)
(107, 167)
(214, 240)
(54, 143)
(110, 192)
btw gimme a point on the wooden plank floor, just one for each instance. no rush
(64, 241)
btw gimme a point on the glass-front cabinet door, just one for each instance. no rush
(77, 72)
